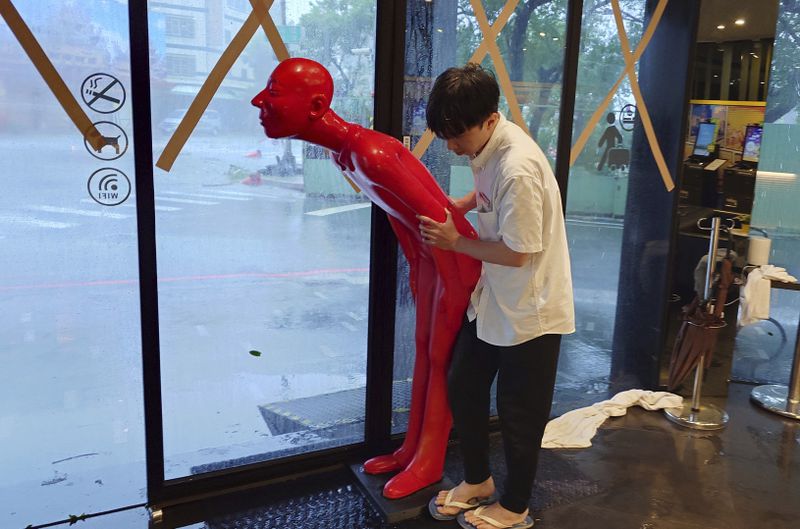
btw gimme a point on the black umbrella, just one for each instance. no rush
(697, 337)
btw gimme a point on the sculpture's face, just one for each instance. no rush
(284, 111)
(297, 93)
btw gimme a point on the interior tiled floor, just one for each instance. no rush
(642, 472)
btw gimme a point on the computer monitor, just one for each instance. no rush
(751, 147)
(706, 136)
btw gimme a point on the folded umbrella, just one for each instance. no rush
(697, 337)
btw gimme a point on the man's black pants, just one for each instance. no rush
(526, 378)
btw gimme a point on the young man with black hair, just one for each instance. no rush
(520, 307)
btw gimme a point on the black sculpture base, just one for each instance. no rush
(393, 511)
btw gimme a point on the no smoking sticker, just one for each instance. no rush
(103, 93)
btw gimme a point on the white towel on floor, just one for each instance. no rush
(576, 428)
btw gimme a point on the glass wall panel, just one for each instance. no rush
(263, 248)
(530, 40)
(71, 421)
(598, 186)
(764, 350)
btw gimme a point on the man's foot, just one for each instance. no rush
(494, 516)
(464, 493)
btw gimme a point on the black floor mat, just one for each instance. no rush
(334, 501)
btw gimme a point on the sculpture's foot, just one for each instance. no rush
(382, 464)
(406, 483)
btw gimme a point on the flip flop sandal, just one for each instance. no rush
(448, 502)
(524, 524)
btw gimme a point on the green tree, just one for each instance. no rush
(341, 35)
(784, 83)
(532, 45)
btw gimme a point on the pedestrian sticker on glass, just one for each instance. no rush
(109, 186)
(103, 93)
(113, 144)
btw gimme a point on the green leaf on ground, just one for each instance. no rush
(255, 353)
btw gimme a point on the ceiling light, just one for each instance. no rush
(542, 34)
(755, 56)
(555, 38)
(721, 26)
(524, 49)
(739, 22)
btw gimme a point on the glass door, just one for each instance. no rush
(71, 421)
(262, 247)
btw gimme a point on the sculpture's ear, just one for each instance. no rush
(319, 105)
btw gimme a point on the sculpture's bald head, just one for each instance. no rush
(298, 92)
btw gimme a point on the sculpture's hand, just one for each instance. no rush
(443, 235)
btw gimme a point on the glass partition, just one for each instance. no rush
(764, 350)
(596, 201)
(263, 248)
(71, 421)
(530, 41)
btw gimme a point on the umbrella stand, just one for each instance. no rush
(694, 414)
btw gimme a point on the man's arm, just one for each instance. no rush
(445, 236)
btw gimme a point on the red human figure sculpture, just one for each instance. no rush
(296, 104)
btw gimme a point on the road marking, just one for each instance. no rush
(240, 194)
(598, 224)
(187, 201)
(340, 209)
(201, 195)
(158, 208)
(355, 316)
(320, 295)
(33, 221)
(213, 277)
(81, 212)
(349, 326)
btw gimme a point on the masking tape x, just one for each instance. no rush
(630, 64)
(259, 16)
(46, 69)
(487, 45)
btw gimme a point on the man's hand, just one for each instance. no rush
(443, 235)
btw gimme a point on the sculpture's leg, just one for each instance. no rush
(401, 457)
(428, 463)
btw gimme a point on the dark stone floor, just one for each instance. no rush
(642, 472)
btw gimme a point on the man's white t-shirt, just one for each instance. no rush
(519, 202)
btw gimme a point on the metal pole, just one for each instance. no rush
(794, 380)
(698, 383)
(695, 415)
(711, 265)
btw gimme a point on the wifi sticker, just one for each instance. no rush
(109, 186)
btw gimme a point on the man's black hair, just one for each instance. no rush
(461, 99)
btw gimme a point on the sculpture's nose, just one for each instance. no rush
(258, 99)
